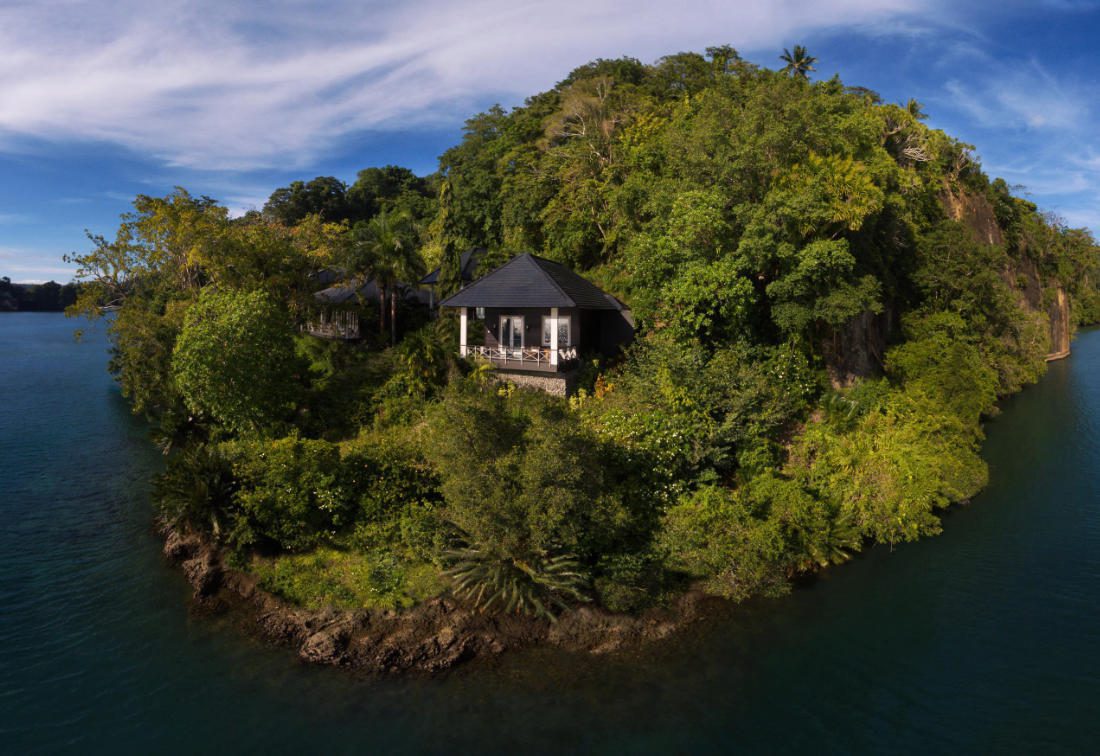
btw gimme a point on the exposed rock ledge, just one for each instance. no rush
(431, 637)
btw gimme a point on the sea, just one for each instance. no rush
(985, 639)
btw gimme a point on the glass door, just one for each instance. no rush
(511, 331)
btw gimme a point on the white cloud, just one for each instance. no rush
(217, 85)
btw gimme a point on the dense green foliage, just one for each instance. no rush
(234, 360)
(830, 295)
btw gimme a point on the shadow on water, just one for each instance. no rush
(982, 639)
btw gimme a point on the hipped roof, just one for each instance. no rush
(531, 281)
(467, 264)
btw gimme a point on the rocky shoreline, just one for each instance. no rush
(434, 636)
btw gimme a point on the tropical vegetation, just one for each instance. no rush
(830, 295)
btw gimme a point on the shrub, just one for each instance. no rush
(520, 473)
(712, 535)
(629, 581)
(896, 467)
(196, 490)
(293, 492)
(396, 494)
(942, 361)
(749, 541)
(234, 360)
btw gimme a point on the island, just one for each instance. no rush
(666, 334)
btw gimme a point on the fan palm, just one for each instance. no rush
(196, 489)
(535, 586)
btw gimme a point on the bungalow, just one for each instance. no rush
(533, 317)
(337, 309)
(468, 264)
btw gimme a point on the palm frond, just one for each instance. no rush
(537, 587)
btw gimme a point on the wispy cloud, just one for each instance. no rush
(1033, 128)
(218, 85)
(23, 266)
(1022, 95)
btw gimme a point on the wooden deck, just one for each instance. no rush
(528, 358)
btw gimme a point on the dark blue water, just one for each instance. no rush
(984, 639)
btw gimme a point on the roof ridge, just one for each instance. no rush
(473, 285)
(535, 258)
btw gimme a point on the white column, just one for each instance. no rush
(462, 331)
(554, 336)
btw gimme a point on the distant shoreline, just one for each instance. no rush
(42, 297)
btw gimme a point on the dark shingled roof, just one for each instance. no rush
(345, 293)
(368, 292)
(467, 264)
(531, 281)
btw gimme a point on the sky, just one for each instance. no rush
(234, 98)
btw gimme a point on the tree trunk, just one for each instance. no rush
(381, 310)
(393, 316)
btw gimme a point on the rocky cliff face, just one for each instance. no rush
(1034, 294)
(857, 350)
(1060, 328)
(974, 211)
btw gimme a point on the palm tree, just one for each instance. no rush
(799, 63)
(388, 238)
(915, 109)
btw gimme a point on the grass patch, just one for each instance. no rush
(349, 580)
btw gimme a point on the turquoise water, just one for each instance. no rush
(984, 639)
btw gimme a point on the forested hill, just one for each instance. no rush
(723, 200)
(830, 294)
(45, 297)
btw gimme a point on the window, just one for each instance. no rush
(563, 331)
(479, 313)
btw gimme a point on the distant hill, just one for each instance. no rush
(46, 297)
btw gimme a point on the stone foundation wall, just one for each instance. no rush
(556, 384)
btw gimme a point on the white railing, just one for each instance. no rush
(342, 324)
(522, 356)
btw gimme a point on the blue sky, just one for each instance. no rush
(102, 101)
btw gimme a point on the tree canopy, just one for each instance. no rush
(830, 297)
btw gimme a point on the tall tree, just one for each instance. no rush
(388, 240)
(450, 267)
(799, 62)
(325, 196)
